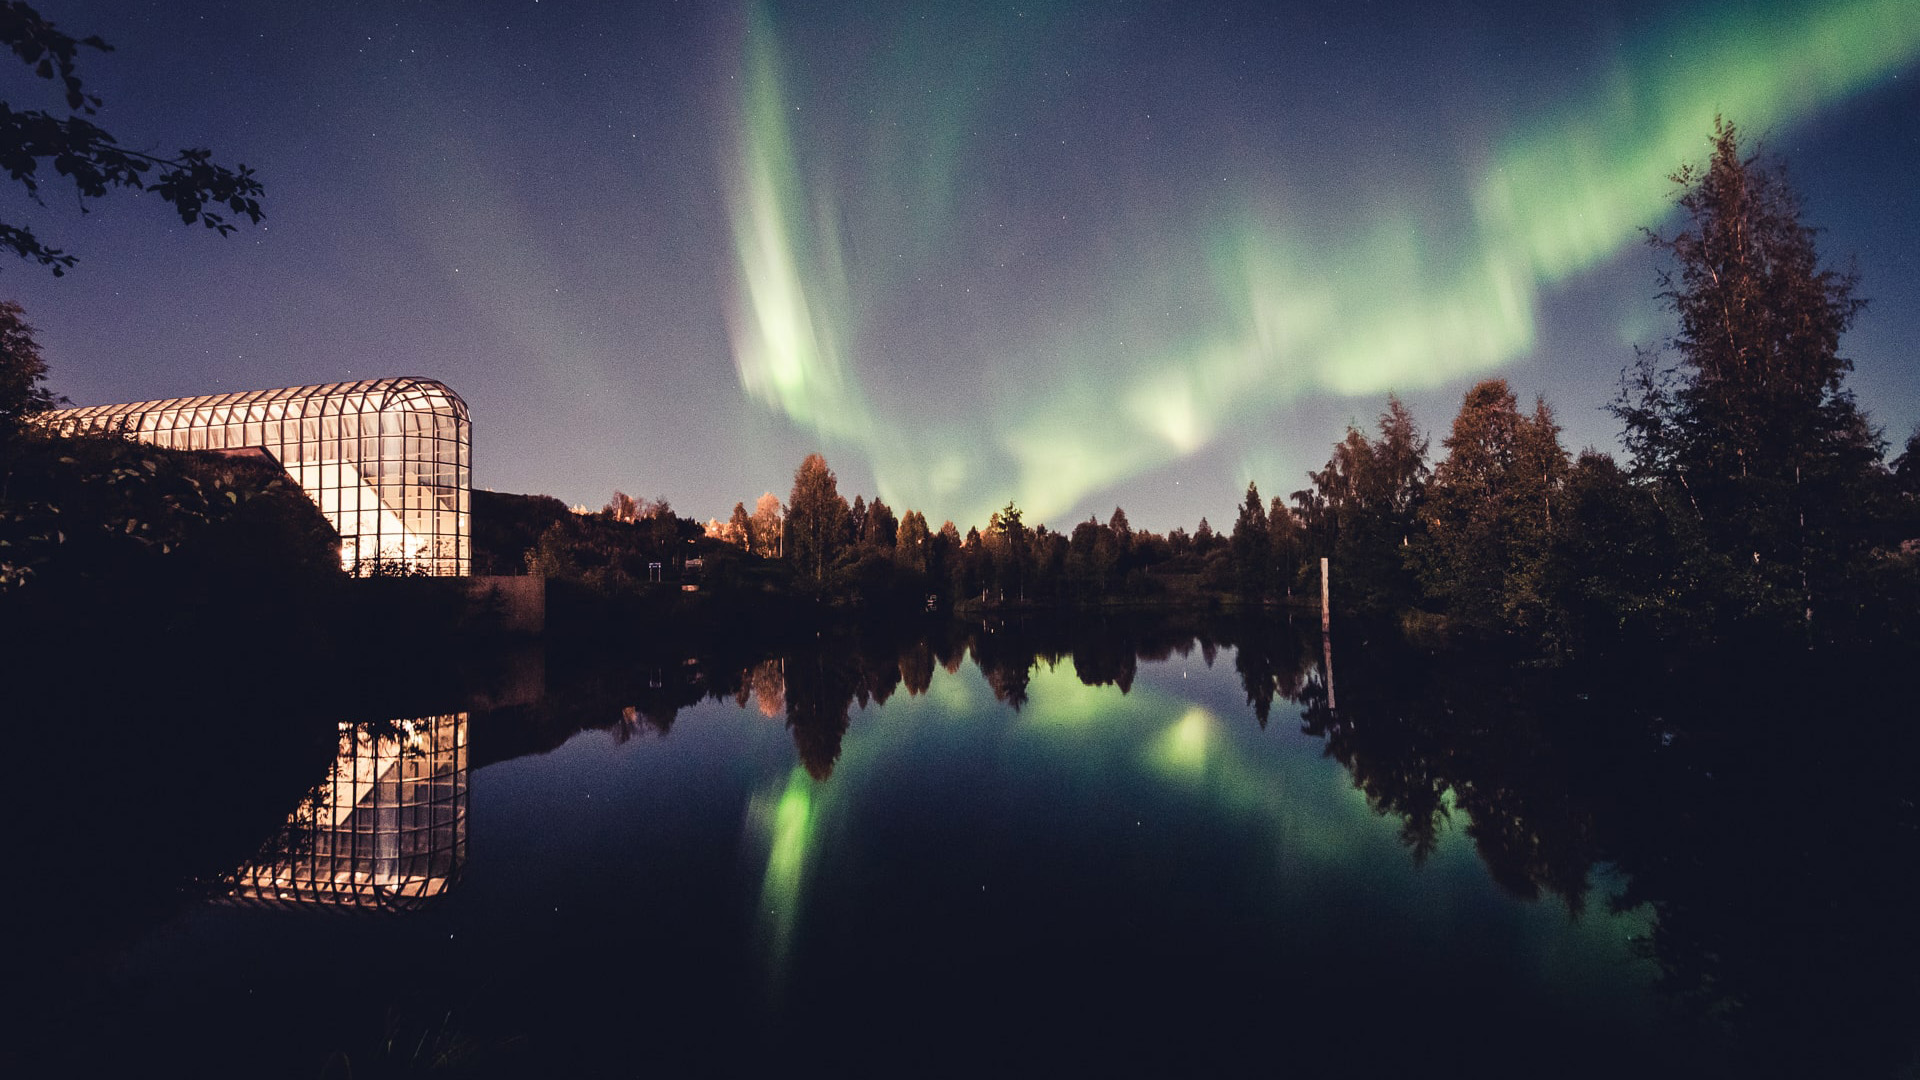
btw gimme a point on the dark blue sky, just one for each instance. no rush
(1070, 254)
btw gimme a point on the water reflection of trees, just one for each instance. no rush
(1424, 739)
(814, 683)
(1772, 849)
(1761, 818)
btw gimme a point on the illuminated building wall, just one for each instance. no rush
(386, 829)
(388, 461)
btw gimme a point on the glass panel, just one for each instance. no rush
(386, 828)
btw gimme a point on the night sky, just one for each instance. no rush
(1074, 255)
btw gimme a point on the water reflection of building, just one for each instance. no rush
(386, 460)
(386, 829)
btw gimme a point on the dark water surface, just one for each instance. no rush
(996, 850)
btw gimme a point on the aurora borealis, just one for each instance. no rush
(1071, 255)
(1382, 304)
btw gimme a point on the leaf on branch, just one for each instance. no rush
(89, 156)
(23, 243)
(47, 50)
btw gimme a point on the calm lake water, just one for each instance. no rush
(998, 851)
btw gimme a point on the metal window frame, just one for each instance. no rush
(387, 828)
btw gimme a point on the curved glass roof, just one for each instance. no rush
(406, 392)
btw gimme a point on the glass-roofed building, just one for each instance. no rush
(388, 461)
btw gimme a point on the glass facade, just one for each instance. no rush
(388, 461)
(386, 829)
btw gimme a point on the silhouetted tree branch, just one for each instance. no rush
(198, 189)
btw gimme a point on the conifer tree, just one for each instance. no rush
(911, 541)
(1252, 544)
(1286, 540)
(740, 527)
(1750, 430)
(1488, 512)
(1010, 542)
(881, 528)
(1122, 537)
(816, 518)
(856, 529)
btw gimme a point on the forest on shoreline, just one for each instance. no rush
(1756, 499)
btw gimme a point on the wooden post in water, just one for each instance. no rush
(1326, 633)
(1326, 659)
(1326, 615)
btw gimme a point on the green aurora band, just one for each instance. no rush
(1388, 307)
(788, 822)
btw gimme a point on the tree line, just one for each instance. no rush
(865, 549)
(1754, 492)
